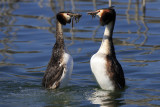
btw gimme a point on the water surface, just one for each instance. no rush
(27, 35)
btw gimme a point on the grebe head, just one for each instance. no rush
(106, 15)
(65, 17)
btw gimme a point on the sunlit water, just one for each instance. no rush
(27, 35)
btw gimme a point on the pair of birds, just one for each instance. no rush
(104, 65)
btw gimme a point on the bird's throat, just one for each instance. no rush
(107, 43)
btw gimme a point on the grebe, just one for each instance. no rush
(60, 66)
(104, 64)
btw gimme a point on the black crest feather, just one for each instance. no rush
(62, 19)
(108, 16)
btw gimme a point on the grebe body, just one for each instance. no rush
(60, 66)
(104, 64)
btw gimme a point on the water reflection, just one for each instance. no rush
(137, 19)
(106, 98)
(8, 33)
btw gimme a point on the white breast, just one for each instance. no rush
(68, 62)
(99, 69)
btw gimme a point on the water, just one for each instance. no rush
(27, 35)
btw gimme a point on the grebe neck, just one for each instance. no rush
(107, 46)
(59, 34)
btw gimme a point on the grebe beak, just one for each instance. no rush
(75, 15)
(93, 14)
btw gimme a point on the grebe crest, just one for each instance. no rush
(106, 15)
(64, 17)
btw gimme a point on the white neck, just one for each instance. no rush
(105, 47)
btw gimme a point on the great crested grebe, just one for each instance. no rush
(104, 64)
(60, 66)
